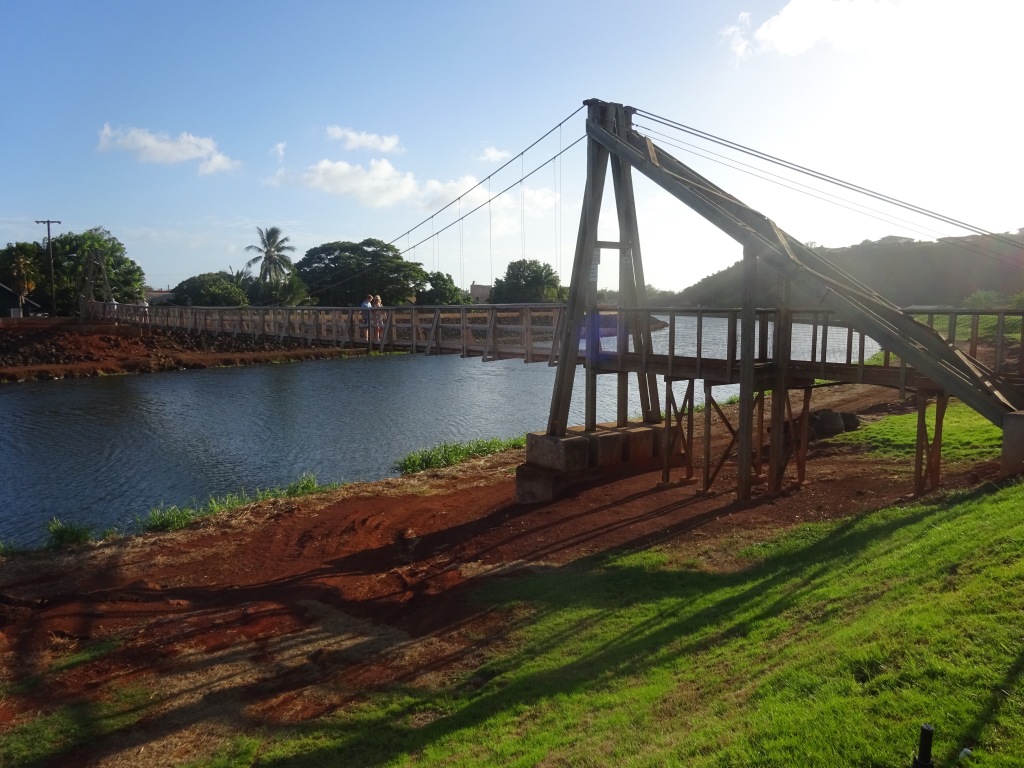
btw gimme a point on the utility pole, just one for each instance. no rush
(49, 243)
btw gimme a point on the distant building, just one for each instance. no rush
(159, 297)
(479, 293)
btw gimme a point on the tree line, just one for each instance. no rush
(56, 284)
(344, 273)
(339, 273)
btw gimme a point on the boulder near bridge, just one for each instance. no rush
(769, 353)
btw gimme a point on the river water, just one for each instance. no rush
(99, 452)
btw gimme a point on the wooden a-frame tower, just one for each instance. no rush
(943, 369)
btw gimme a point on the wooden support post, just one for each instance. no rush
(748, 331)
(780, 390)
(584, 270)
(688, 444)
(759, 436)
(1000, 324)
(632, 285)
(672, 419)
(706, 468)
(922, 443)
(805, 433)
(935, 450)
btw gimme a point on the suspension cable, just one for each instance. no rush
(499, 194)
(499, 170)
(818, 194)
(825, 177)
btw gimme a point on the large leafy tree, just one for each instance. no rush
(272, 256)
(442, 291)
(341, 274)
(20, 268)
(210, 289)
(528, 281)
(72, 250)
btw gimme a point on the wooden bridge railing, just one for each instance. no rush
(820, 340)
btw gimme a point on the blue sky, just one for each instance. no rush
(182, 126)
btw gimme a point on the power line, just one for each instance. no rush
(49, 244)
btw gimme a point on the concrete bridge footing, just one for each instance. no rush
(554, 464)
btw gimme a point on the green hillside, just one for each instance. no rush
(906, 273)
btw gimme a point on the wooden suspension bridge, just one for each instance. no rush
(766, 352)
(687, 346)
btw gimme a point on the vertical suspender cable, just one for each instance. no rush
(522, 202)
(554, 213)
(558, 202)
(490, 233)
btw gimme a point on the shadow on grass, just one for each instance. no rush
(598, 587)
(406, 720)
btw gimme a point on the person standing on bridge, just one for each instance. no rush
(364, 318)
(378, 318)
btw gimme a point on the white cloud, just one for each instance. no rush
(802, 25)
(737, 36)
(151, 147)
(379, 186)
(281, 176)
(433, 194)
(362, 140)
(278, 151)
(529, 203)
(843, 25)
(494, 155)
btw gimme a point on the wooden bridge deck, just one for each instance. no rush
(686, 343)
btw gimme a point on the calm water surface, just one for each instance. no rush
(100, 452)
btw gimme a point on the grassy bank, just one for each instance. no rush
(62, 534)
(828, 645)
(966, 435)
(451, 454)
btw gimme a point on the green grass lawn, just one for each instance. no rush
(827, 646)
(966, 435)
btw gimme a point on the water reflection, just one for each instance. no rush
(101, 451)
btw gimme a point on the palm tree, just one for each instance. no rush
(275, 265)
(242, 278)
(19, 267)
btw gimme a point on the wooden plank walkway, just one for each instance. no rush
(690, 343)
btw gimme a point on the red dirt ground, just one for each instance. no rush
(292, 609)
(41, 349)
